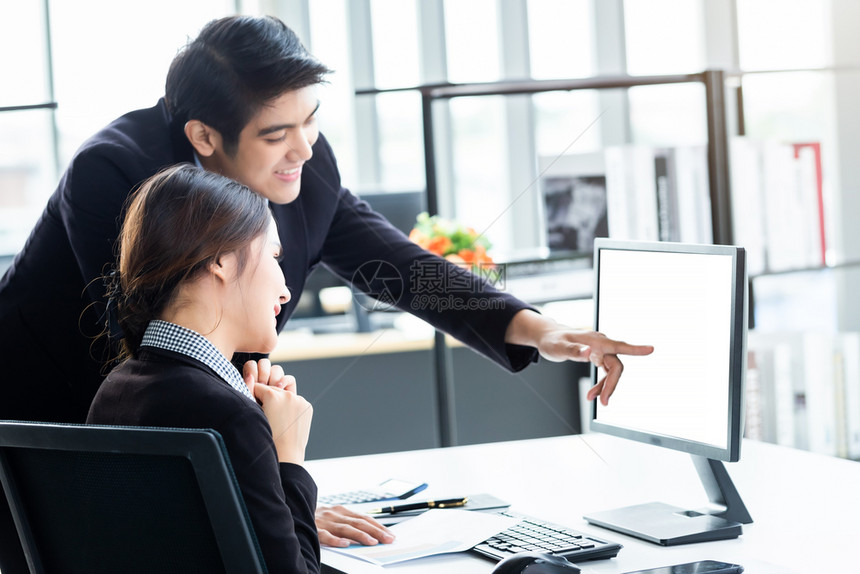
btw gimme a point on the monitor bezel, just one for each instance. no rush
(737, 350)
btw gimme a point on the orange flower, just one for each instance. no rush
(418, 237)
(467, 255)
(439, 245)
(476, 257)
(459, 244)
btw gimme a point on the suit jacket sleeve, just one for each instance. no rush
(364, 248)
(280, 497)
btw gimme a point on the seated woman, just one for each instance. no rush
(198, 279)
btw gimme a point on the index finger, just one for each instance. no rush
(264, 367)
(249, 372)
(622, 348)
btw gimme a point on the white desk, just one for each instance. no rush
(805, 506)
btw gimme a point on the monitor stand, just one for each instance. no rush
(670, 525)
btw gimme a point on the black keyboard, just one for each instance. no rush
(531, 534)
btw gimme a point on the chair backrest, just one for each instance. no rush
(95, 499)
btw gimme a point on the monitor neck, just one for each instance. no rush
(721, 490)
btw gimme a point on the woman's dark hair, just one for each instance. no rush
(179, 221)
(234, 67)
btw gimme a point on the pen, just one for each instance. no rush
(448, 503)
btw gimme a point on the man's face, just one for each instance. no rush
(273, 147)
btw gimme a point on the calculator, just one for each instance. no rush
(391, 489)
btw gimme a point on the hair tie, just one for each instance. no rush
(113, 292)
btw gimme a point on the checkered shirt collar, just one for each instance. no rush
(171, 337)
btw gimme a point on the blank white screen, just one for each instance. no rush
(681, 303)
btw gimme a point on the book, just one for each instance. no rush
(840, 408)
(632, 193)
(811, 189)
(667, 200)
(789, 398)
(820, 393)
(849, 352)
(781, 393)
(692, 191)
(748, 201)
(804, 390)
(778, 203)
(754, 419)
(783, 214)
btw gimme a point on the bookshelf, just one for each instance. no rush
(716, 114)
(717, 160)
(803, 384)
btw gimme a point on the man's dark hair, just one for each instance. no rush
(234, 67)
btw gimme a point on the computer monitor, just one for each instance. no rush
(690, 303)
(400, 208)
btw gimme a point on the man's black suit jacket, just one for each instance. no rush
(51, 298)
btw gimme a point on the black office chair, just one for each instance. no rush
(100, 499)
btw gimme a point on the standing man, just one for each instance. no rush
(240, 101)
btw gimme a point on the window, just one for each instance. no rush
(472, 56)
(328, 43)
(768, 33)
(26, 74)
(102, 67)
(666, 37)
(395, 57)
(395, 43)
(783, 34)
(561, 45)
(480, 182)
(561, 38)
(400, 137)
(26, 173)
(27, 161)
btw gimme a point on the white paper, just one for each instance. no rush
(436, 531)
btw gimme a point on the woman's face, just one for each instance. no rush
(259, 292)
